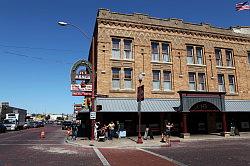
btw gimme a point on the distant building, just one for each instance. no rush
(5, 108)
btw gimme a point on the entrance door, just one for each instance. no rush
(198, 123)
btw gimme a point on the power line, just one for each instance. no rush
(36, 58)
(39, 48)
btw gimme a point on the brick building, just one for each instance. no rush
(195, 75)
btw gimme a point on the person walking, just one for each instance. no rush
(74, 130)
(145, 137)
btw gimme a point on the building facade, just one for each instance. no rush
(194, 75)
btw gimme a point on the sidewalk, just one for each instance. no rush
(130, 142)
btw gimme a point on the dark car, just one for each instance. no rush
(2, 128)
(66, 124)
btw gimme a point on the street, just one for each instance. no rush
(26, 148)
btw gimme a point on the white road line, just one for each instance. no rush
(101, 157)
(164, 157)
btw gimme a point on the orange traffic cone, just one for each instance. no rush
(42, 135)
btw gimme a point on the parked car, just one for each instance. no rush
(33, 124)
(40, 124)
(66, 124)
(2, 128)
(26, 125)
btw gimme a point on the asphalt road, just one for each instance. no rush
(26, 148)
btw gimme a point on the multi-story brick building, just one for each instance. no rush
(195, 75)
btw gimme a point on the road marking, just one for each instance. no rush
(164, 157)
(101, 157)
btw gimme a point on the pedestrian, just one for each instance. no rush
(111, 127)
(151, 136)
(145, 137)
(168, 131)
(117, 129)
(74, 130)
(96, 127)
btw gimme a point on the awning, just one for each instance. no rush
(131, 105)
(237, 105)
(160, 105)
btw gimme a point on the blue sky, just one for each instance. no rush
(36, 54)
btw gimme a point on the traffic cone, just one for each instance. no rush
(42, 135)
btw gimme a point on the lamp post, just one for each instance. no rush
(62, 23)
(140, 97)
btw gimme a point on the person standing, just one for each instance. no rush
(74, 130)
(168, 131)
(111, 127)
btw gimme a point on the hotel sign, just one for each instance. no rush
(81, 87)
(84, 75)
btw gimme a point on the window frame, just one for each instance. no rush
(156, 80)
(201, 55)
(201, 83)
(169, 80)
(115, 78)
(229, 59)
(116, 49)
(223, 82)
(190, 56)
(155, 54)
(129, 78)
(232, 84)
(128, 50)
(167, 53)
(192, 82)
(219, 61)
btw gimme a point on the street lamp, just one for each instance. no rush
(62, 23)
(140, 97)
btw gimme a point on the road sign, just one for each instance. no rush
(92, 115)
(140, 93)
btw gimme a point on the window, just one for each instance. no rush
(218, 57)
(192, 81)
(202, 82)
(115, 78)
(167, 81)
(221, 83)
(248, 58)
(156, 80)
(127, 78)
(127, 49)
(199, 55)
(229, 58)
(190, 55)
(155, 51)
(165, 52)
(116, 48)
(231, 83)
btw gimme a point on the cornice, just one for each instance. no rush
(141, 21)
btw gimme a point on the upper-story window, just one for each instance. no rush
(127, 78)
(231, 80)
(116, 78)
(167, 83)
(218, 56)
(248, 54)
(155, 51)
(201, 82)
(229, 58)
(156, 79)
(116, 53)
(199, 54)
(221, 83)
(165, 52)
(127, 49)
(190, 55)
(192, 81)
